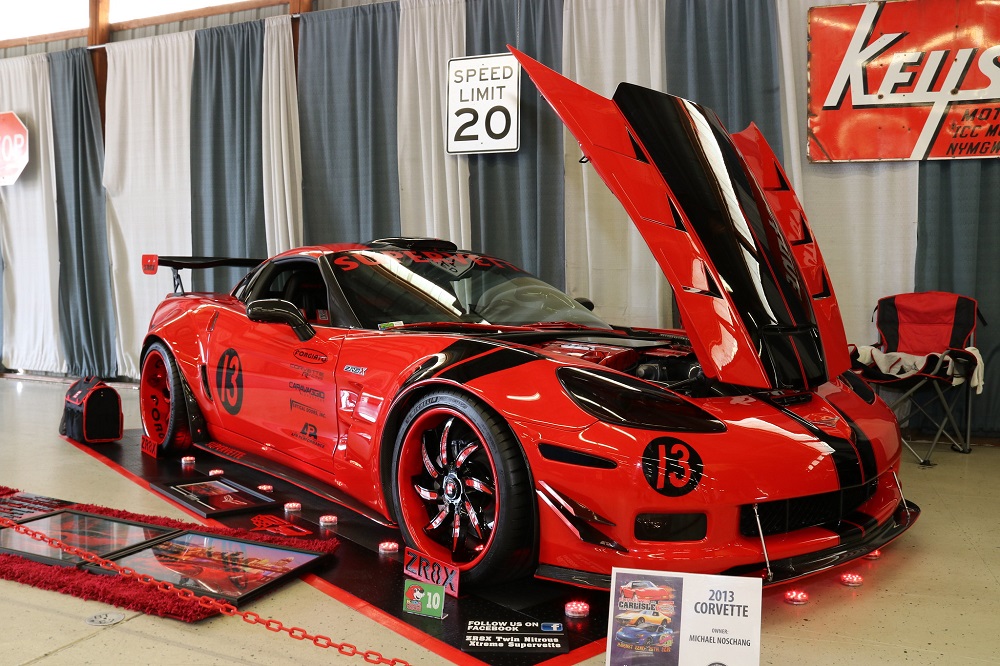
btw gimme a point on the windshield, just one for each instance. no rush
(392, 287)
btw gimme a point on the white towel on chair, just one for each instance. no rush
(898, 364)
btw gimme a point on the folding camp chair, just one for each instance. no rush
(925, 342)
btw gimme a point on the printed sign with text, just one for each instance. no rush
(910, 80)
(483, 104)
(681, 619)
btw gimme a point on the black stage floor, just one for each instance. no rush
(375, 579)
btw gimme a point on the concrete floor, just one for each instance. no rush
(933, 598)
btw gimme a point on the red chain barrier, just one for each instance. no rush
(225, 608)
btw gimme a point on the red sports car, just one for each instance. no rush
(507, 429)
(644, 589)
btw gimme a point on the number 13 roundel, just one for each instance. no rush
(671, 467)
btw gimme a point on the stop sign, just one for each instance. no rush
(13, 147)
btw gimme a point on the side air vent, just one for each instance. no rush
(571, 457)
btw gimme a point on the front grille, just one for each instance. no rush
(782, 516)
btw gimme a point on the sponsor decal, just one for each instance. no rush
(225, 450)
(426, 568)
(307, 355)
(307, 390)
(307, 373)
(447, 260)
(229, 381)
(355, 369)
(295, 405)
(150, 263)
(671, 467)
(309, 433)
(159, 418)
(921, 76)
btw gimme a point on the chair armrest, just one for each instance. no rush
(963, 363)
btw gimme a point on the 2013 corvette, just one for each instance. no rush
(505, 428)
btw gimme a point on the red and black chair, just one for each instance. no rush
(925, 351)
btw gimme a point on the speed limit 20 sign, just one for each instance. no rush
(483, 104)
(13, 147)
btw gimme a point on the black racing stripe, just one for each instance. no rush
(454, 353)
(846, 531)
(845, 459)
(853, 527)
(495, 360)
(865, 450)
(862, 519)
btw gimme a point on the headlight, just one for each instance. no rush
(623, 400)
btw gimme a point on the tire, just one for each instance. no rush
(161, 401)
(461, 489)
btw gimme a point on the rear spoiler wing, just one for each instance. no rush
(152, 262)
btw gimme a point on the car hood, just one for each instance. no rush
(724, 225)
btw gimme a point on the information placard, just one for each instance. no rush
(519, 637)
(683, 619)
(484, 104)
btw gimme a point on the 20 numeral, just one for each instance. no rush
(461, 134)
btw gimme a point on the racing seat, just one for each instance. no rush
(926, 342)
(305, 288)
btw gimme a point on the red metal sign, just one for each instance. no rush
(904, 80)
(426, 568)
(13, 147)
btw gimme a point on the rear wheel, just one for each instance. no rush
(161, 401)
(461, 489)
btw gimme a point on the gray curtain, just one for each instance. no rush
(957, 246)
(86, 307)
(723, 54)
(516, 199)
(347, 119)
(227, 181)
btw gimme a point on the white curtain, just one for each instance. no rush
(433, 186)
(147, 173)
(606, 42)
(282, 153)
(28, 232)
(864, 215)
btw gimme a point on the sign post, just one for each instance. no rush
(13, 147)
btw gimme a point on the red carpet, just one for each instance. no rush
(125, 592)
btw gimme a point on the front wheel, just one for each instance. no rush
(161, 401)
(461, 490)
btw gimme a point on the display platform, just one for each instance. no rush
(370, 580)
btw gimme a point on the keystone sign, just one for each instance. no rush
(904, 80)
(13, 147)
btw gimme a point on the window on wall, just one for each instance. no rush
(130, 10)
(27, 19)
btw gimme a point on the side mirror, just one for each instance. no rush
(585, 302)
(277, 311)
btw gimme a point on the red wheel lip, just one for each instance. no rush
(146, 390)
(410, 503)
